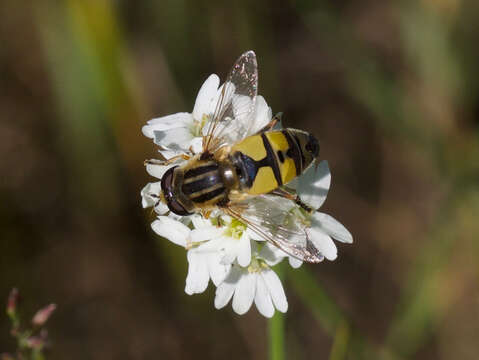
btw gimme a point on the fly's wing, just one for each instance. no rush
(235, 110)
(279, 221)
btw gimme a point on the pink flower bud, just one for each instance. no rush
(42, 315)
(12, 303)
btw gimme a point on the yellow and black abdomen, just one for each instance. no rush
(274, 158)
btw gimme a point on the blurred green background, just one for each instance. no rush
(391, 89)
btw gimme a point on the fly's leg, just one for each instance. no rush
(271, 124)
(168, 161)
(293, 197)
(206, 213)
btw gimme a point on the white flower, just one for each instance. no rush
(213, 245)
(225, 235)
(256, 283)
(203, 265)
(179, 132)
(313, 187)
(150, 194)
(273, 255)
(220, 248)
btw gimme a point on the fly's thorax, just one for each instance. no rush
(229, 175)
(203, 183)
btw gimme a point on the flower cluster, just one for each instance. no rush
(31, 340)
(220, 248)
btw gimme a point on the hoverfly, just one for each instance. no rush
(243, 170)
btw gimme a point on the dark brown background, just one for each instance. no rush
(391, 89)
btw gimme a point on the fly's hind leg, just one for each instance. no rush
(293, 197)
(272, 123)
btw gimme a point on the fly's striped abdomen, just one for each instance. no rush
(203, 183)
(294, 151)
(272, 159)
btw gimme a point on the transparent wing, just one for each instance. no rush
(279, 221)
(234, 113)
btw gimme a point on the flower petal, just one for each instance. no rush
(217, 270)
(295, 263)
(272, 254)
(174, 139)
(324, 243)
(262, 298)
(205, 97)
(244, 293)
(226, 289)
(157, 170)
(275, 289)
(161, 208)
(254, 235)
(205, 233)
(196, 145)
(198, 274)
(263, 115)
(200, 222)
(229, 90)
(212, 246)
(313, 185)
(244, 250)
(171, 229)
(168, 122)
(150, 194)
(168, 154)
(229, 248)
(333, 227)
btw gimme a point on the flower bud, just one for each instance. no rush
(42, 315)
(12, 302)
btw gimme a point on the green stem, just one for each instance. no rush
(340, 343)
(276, 328)
(276, 337)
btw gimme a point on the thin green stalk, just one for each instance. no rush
(276, 337)
(341, 341)
(276, 328)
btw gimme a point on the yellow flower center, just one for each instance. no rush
(235, 229)
(257, 265)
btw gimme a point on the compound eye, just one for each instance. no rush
(177, 208)
(167, 188)
(166, 180)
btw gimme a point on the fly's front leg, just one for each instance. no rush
(168, 161)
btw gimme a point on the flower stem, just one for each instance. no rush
(276, 337)
(340, 343)
(276, 329)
